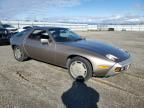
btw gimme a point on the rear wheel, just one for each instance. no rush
(80, 68)
(19, 54)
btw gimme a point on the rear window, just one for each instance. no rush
(21, 33)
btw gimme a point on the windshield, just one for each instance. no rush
(6, 26)
(64, 35)
(1, 26)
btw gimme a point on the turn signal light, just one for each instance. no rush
(118, 69)
(103, 67)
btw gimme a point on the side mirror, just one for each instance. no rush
(44, 41)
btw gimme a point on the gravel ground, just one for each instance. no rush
(34, 84)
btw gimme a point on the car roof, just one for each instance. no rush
(45, 28)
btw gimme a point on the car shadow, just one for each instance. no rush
(80, 96)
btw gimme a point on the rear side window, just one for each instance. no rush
(38, 34)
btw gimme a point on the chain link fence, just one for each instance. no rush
(79, 27)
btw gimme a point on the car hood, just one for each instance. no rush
(100, 48)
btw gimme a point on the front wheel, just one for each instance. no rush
(19, 54)
(80, 68)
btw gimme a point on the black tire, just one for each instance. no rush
(22, 56)
(88, 66)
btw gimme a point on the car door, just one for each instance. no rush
(36, 49)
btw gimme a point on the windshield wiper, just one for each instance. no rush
(78, 39)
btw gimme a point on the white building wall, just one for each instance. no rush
(127, 27)
(92, 27)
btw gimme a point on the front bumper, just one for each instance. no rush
(122, 66)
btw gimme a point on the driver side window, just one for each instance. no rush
(39, 34)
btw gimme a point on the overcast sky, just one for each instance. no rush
(86, 10)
